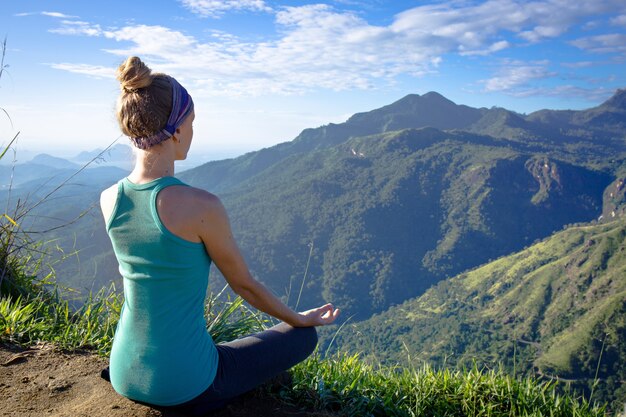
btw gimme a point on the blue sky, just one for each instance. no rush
(260, 71)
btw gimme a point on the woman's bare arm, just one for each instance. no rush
(215, 232)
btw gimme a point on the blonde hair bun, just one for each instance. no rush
(134, 75)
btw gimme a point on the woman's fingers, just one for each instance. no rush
(332, 315)
(328, 313)
(320, 316)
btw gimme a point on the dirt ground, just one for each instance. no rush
(44, 381)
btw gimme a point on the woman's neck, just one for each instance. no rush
(153, 164)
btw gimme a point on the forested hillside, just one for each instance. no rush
(392, 204)
(556, 309)
(391, 214)
(589, 137)
(389, 205)
(393, 200)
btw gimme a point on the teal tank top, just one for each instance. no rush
(162, 353)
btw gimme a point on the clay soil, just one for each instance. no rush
(44, 381)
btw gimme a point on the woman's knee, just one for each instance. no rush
(301, 339)
(309, 336)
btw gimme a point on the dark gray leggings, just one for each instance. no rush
(249, 362)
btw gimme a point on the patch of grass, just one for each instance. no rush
(231, 319)
(347, 386)
(47, 317)
(342, 385)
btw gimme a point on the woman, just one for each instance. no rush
(165, 235)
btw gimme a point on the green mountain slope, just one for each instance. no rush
(592, 137)
(389, 212)
(557, 308)
(412, 111)
(392, 214)
(67, 221)
(380, 209)
(608, 116)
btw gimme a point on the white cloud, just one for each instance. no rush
(515, 78)
(216, 8)
(320, 47)
(579, 64)
(475, 24)
(156, 41)
(59, 15)
(495, 47)
(50, 14)
(516, 75)
(619, 20)
(604, 44)
(540, 32)
(593, 95)
(85, 69)
(77, 27)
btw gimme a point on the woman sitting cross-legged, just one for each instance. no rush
(165, 236)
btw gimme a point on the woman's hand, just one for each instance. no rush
(319, 316)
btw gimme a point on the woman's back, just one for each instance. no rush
(165, 236)
(162, 351)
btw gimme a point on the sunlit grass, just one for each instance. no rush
(347, 386)
(27, 320)
(47, 317)
(34, 311)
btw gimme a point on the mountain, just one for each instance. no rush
(389, 213)
(44, 169)
(61, 211)
(117, 155)
(391, 204)
(53, 162)
(609, 116)
(502, 123)
(415, 111)
(412, 111)
(55, 200)
(547, 131)
(17, 175)
(556, 308)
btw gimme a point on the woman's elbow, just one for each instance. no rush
(246, 292)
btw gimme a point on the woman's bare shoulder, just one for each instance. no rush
(194, 199)
(189, 194)
(203, 196)
(191, 212)
(107, 201)
(111, 191)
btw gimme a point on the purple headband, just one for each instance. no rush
(182, 106)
